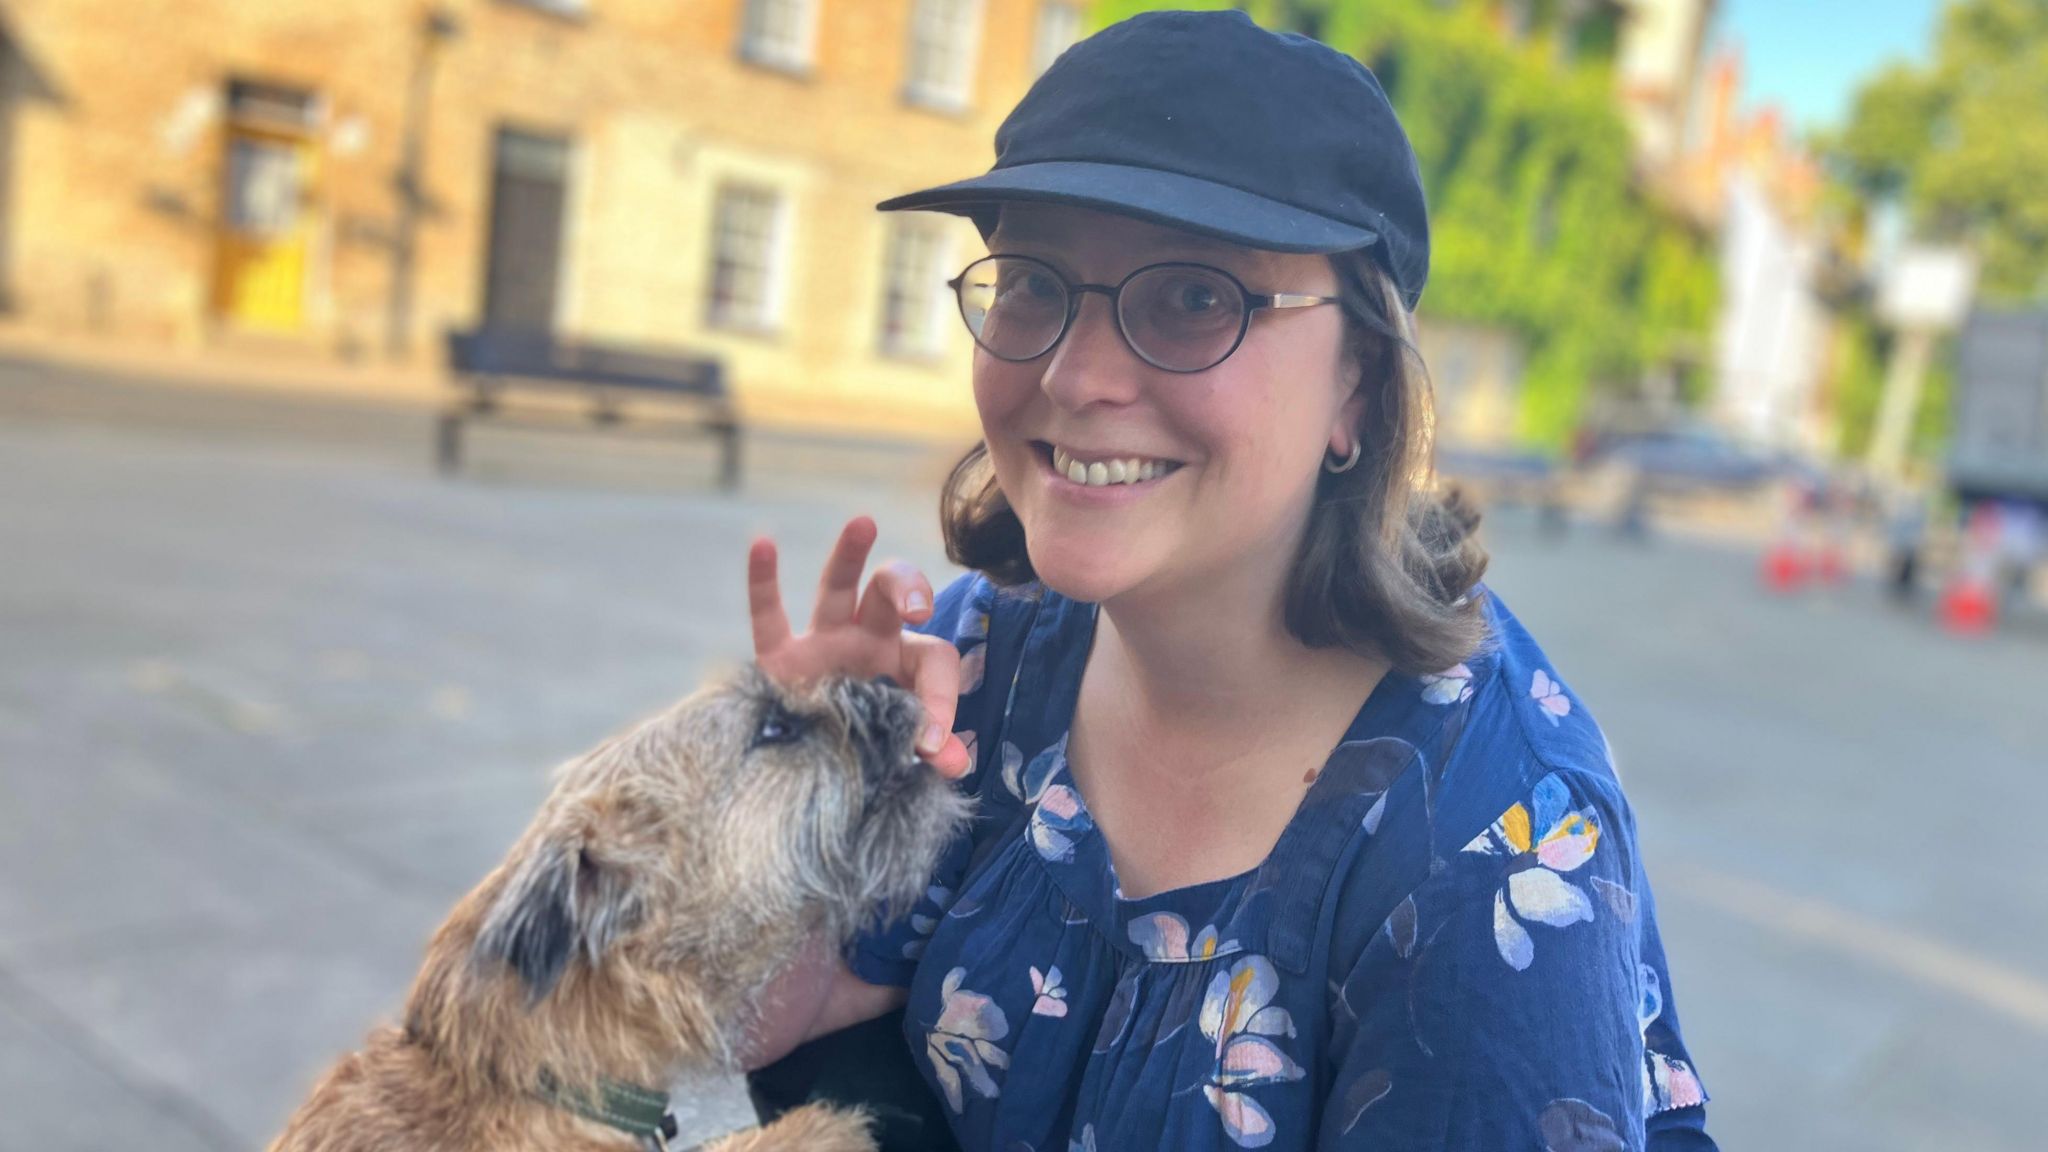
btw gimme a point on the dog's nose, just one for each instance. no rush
(883, 720)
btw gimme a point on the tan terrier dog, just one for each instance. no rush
(627, 939)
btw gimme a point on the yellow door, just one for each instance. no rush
(260, 272)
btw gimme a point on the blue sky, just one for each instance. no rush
(1808, 56)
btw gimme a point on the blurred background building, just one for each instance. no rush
(346, 180)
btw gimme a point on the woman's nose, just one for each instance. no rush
(1092, 364)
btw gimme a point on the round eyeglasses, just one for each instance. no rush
(1176, 317)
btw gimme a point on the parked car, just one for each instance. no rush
(1682, 458)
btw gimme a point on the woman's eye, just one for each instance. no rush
(1033, 286)
(1195, 299)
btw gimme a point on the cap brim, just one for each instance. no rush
(1168, 198)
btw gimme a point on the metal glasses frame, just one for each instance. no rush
(1253, 302)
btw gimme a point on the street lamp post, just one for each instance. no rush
(1923, 293)
(436, 30)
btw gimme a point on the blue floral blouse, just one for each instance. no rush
(1451, 946)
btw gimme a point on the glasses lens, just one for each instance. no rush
(1182, 318)
(1015, 307)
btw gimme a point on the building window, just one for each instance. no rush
(746, 245)
(265, 184)
(780, 33)
(1059, 26)
(945, 38)
(570, 9)
(915, 298)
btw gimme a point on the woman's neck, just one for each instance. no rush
(1216, 658)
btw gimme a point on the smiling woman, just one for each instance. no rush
(1289, 836)
(1346, 585)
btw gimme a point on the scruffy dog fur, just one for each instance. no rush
(629, 935)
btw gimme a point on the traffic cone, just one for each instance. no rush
(1784, 567)
(1969, 602)
(1969, 605)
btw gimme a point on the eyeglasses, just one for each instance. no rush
(1176, 317)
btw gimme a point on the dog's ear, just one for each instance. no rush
(560, 901)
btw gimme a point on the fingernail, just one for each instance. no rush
(934, 738)
(915, 602)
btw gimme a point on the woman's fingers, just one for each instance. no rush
(931, 666)
(839, 587)
(897, 594)
(764, 599)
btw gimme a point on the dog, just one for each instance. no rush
(628, 937)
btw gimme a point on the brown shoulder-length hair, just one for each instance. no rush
(1387, 562)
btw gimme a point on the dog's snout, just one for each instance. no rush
(881, 701)
(882, 720)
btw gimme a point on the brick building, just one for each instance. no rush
(344, 180)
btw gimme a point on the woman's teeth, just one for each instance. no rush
(1102, 473)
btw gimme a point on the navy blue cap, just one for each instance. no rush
(1206, 122)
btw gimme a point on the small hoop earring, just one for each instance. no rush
(1350, 462)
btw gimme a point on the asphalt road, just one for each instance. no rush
(272, 696)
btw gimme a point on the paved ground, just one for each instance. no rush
(272, 696)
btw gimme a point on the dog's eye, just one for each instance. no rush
(778, 727)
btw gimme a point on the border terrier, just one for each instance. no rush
(629, 936)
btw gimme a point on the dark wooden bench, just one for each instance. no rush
(492, 364)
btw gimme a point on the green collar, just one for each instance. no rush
(629, 1108)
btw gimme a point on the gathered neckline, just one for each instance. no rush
(1235, 910)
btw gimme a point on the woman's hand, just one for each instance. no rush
(816, 995)
(861, 633)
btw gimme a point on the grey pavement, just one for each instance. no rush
(272, 696)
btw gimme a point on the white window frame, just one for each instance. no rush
(915, 300)
(945, 48)
(1059, 28)
(572, 9)
(764, 246)
(780, 33)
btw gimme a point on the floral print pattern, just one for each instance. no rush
(937, 898)
(1368, 948)
(1164, 936)
(1549, 696)
(1058, 821)
(1051, 996)
(1667, 1082)
(1028, 784)
(1538, 891)
(1451, 686)
(962, 1046)
(972, 640)
(1238, 1015)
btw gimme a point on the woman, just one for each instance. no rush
(1288, 833)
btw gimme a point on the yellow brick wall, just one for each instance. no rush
(116, 174)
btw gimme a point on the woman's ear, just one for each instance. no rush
(1349, 426)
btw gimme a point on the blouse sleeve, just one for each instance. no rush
(888, 953)
(1505, 1003)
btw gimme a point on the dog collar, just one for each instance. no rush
(636, 1111)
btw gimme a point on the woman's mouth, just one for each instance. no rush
(1102, 470)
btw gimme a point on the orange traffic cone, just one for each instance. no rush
(1969, 602)
(1969, 606)
(1784, 568)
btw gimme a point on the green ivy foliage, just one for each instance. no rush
(1536, 223)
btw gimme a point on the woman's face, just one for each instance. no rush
(1237, 448)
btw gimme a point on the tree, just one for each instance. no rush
(1962, 141)
(1536, 225)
